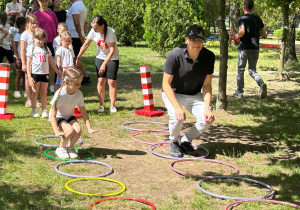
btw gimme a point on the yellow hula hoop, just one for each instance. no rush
(101, 178)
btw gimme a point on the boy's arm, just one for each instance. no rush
(85, 117)
(15, 48)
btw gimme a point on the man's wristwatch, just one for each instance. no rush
(209, 107)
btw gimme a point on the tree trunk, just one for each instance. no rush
(285, 7)
(222, 97)
(234, 14)
(290, 49)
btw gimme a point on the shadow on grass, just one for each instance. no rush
(22, 197)
(114, 153)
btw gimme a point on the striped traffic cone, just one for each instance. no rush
(148, 110)
(4, 85)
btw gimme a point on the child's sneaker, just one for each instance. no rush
(72, 152)
(113, 109)
(34, 113)
(101, 109)
(17, 94)
(28, 104)
(38, 104)
(44, 113)
(24, 94)
(62, 153)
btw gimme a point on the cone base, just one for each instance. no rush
(7, 116)
(154, 113)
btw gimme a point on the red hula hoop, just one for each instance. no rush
(262, 200)
(204, 159)
(125, 198)
(145, 142)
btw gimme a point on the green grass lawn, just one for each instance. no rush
(260, 137)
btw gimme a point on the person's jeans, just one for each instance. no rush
(251, 56)
(195, 105)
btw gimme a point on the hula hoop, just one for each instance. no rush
(125, 198)
(83, 161)
(30, 129)
(176, 158)
(51, 145)
(145, 142)
(145, 122)
(235, 178)
(206, 160)
(56, 158)
(263, 200)
(103, 195)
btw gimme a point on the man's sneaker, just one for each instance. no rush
(62, 153)
(17, 94)
(44, 113)
(34, 113)
(188, 149)
(175, 150)
(72, 152)
(101, 109)
(51, 88)
(237, 94)
(263, 91)
(113, 109)
(24, 94)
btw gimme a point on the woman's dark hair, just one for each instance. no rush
(100, 21)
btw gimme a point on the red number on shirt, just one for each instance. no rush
(42, 58)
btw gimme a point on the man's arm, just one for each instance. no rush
(207, 93)
(167, 79)
(262, 32)
(76, 18)
(241, 32)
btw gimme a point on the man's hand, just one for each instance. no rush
(209, 116)
(179, 114)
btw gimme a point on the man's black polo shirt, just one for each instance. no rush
(188, 76)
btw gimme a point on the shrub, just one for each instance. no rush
(166, 21)
(278, 33)
(126, 17)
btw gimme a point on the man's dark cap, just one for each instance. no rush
(195, 32)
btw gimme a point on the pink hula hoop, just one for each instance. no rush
(262, 200)
(145, 142)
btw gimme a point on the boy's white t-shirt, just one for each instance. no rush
(56, 42)
(66, 103)
(67, 56)
(5, 43)
(77, 8)
(39, 62)
(110, 37)
(13, 31)
(17, 38)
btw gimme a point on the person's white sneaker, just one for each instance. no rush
(44, 113)
(101, 109)
(17, 94)
(113, 109)
(24, 94)
(72, 152)
(62, 153)
(34, 113)
(51, 88)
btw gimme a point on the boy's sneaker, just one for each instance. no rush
(101, 109)
(263, 91)
(175, 150)
(44, 113)
(237, 94)
(62, 153)
(24, 94)
(17, 94)
(34, 113)
(113, 109)
(51, 88)
(188, 149)
(72, 152)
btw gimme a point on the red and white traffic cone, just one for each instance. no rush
(4, 85)
(148, 110)
(77, 113)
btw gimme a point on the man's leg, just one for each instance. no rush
(253, 57)
(174, 128)
(242, 61)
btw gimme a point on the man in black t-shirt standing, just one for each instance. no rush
(60, 13)
(187, 71)
(251, 28)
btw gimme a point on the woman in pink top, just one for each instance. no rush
(47, 20)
